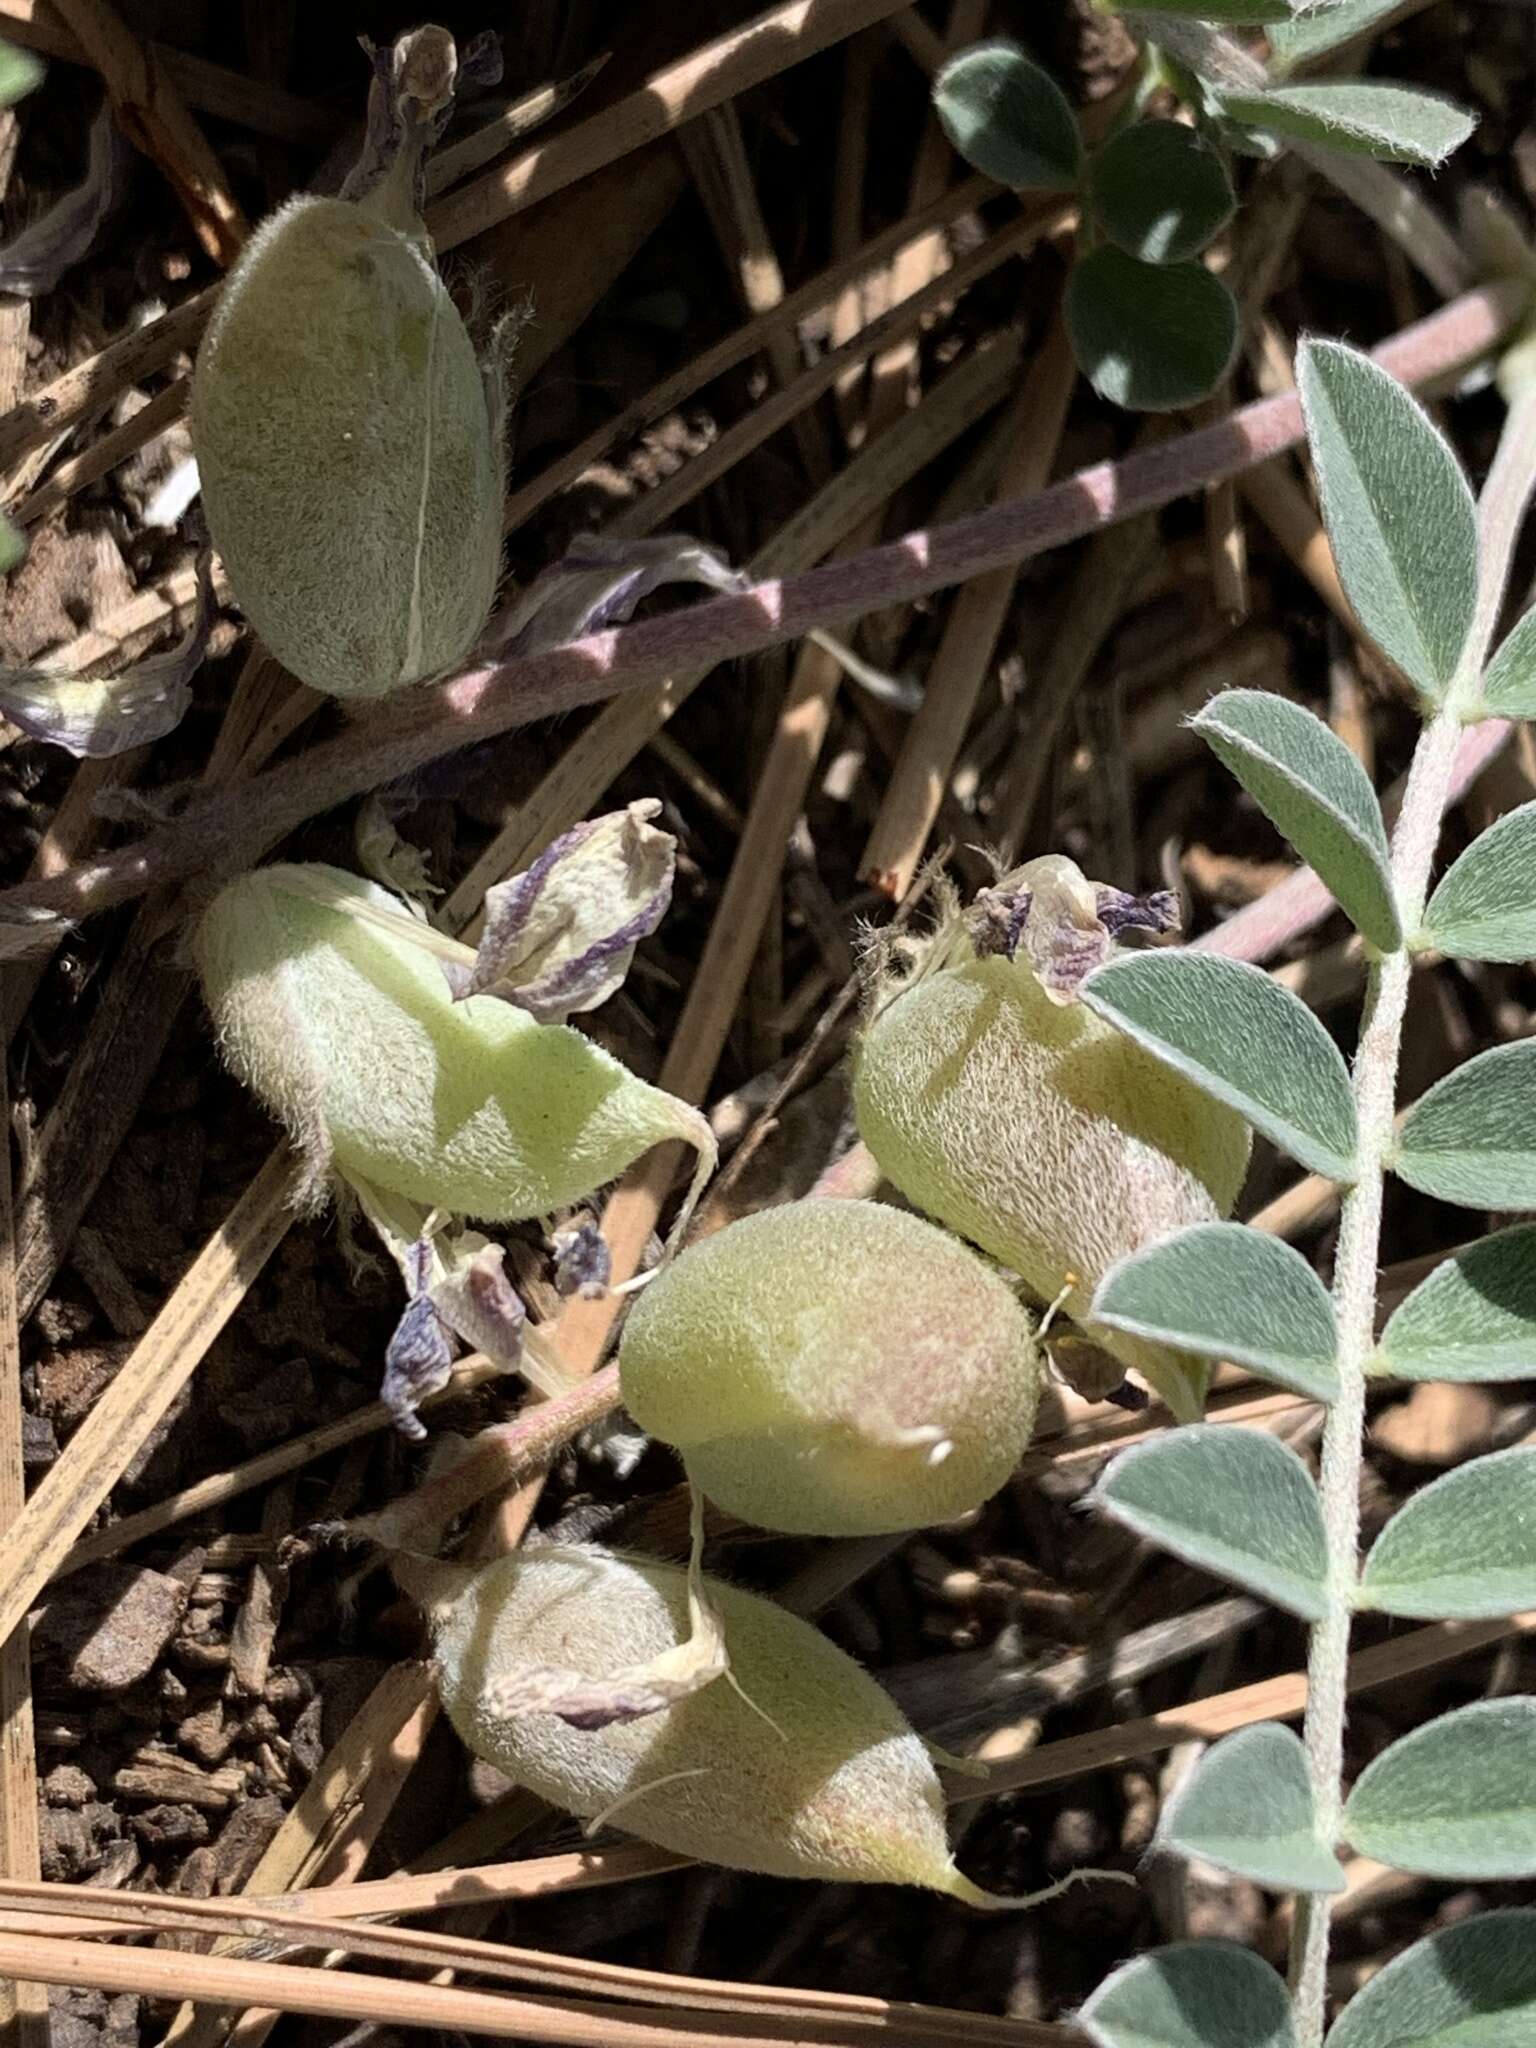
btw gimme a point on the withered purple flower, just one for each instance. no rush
(458, 1290)
(417, 1362)
(480, 1304)
(1065, 924)
(560, 937)
(583, 1262)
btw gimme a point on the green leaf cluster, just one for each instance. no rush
(1153, 328)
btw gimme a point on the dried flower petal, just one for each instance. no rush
(409, 104)
(477, 1300)
(387, 857)
(418, 1361)
(583, 1263)
(1050, 909)
(33, 261)
(1066, 924)
(662, 1680)
(599, 581)
(560, 937)
(99, 717)
(1158, 912)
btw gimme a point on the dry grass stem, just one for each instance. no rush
(23, 2007)
(733, 62)
(1270, 1699)
(211, 88)
(146, 1384)
(59, 1912)
(153, 115)
(1031, 431)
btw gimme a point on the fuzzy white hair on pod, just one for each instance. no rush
(351, 471)
(1045, 1136)
(835, 1368)
(819, 1776)
(351, 1038)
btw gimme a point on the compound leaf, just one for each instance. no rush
(1160, 191)
(1197, 1994)
(1472, 1318)
(1150, 336)
(1359, 117)
(1244, 1039)
(1471, 1985)
(1308, 783)
(1485, 906)
(1463, 1548)
(1221, 1290)
(1455, 1798)
(1234, 1502)
(1472, 1138)
(1247, 1807)
(1009, 117)
(1398, 511)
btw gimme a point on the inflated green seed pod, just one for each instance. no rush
(1043, 1135)
(351, 1038)
(808, 1770)
(350, 466)
(835, 1368)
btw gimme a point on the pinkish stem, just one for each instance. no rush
(431, 721)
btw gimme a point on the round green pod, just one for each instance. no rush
(819, 1776)
(1045, 1136)
(351, 1038)
(350, 469)
(834, 1368)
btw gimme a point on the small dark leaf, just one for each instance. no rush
(1160, 191)
(1150, 336)
(1009, 118)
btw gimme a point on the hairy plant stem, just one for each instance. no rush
(1354, 1287)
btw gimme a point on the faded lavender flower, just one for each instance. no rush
(560, 937)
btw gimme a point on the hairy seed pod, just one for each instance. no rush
(834, 1368)
(349, 1035)
(1043, 1135)
(350, 465)
(819, 1776)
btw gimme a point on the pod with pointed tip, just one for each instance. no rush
(839, 1786)
(835, 1368)
(349, 459)
(1045, 1136)
(351, 1038)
